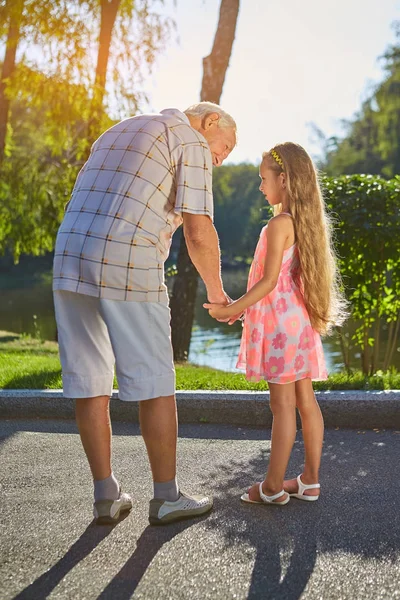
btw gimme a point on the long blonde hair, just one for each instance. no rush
(319, 278)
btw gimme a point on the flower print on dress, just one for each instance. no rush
(292, 325)
(299, 362)
(252, 354)
(279, 341)
(255, 316)
(307, 338)
(284, 284)
(281, 312)
(296, 299)
(313, 357)
(269, 322)
(265, 345)
(274, 367)
(281, 306)
(255, 335)
(290, 353)
(252, 376)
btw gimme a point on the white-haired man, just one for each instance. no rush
(145, 176)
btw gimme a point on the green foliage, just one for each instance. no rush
(368, 243)
(139, 34)
(44, 155)
(367, 214)
(51, 96)
(371, 143)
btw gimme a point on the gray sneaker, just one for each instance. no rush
(107, 512)
(163, 512)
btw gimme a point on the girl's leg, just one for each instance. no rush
(313, 435)
(283, 407)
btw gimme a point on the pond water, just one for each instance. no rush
(28, 308)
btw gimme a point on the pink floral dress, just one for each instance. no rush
(278, 343)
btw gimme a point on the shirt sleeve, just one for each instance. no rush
(193, 166)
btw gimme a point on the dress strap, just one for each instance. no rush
(286, 213)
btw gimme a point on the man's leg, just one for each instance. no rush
(93, 420)
(159, 426)
(87, 362)
(141, 339)
(158, 422)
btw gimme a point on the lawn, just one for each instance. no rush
(28, 363)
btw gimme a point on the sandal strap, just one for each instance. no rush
(269, 499)
(303, 487)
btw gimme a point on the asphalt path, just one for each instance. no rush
(345, 546)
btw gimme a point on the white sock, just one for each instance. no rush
(167, 490)
(106, 489)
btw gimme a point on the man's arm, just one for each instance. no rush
(203, 247)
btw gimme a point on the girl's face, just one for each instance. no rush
(272, 185)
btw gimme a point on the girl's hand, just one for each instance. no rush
(219, 311)
(239, 316)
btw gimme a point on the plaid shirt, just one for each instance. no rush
(128, 200)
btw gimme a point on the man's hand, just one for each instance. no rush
(218, 298)
(221, 299)
(219, 311)
(225, 313)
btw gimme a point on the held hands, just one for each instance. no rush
(218, 311)
(221, 312)
(221, 300)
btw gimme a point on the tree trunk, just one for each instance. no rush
(388, 345)
(15, 13)
(345, 350)
(393, 344)
(216, 64)
(109, 11)
(184, 291)
(366, 352)
(183, 303)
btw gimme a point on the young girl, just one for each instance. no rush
(292, 297)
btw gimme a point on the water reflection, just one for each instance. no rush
(213, 344)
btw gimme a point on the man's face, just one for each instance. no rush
(221, 140)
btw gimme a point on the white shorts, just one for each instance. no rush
(94, 334)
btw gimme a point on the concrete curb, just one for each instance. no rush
(348, 409)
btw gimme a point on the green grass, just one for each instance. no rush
(29, 363)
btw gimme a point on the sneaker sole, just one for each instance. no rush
(181, 515)
(107, 520)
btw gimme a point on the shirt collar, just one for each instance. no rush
(174, 112)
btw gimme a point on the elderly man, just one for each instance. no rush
(145, 176)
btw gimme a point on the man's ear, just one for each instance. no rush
(210, 120)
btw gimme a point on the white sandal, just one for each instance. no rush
(267, 499)
(302, 488)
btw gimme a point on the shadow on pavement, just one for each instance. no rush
(187, 431)
(45, 584)
(11, 427)
(356, 514)
(123, 585)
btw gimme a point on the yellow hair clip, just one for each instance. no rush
(277, 158)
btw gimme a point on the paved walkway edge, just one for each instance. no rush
(353, 409)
